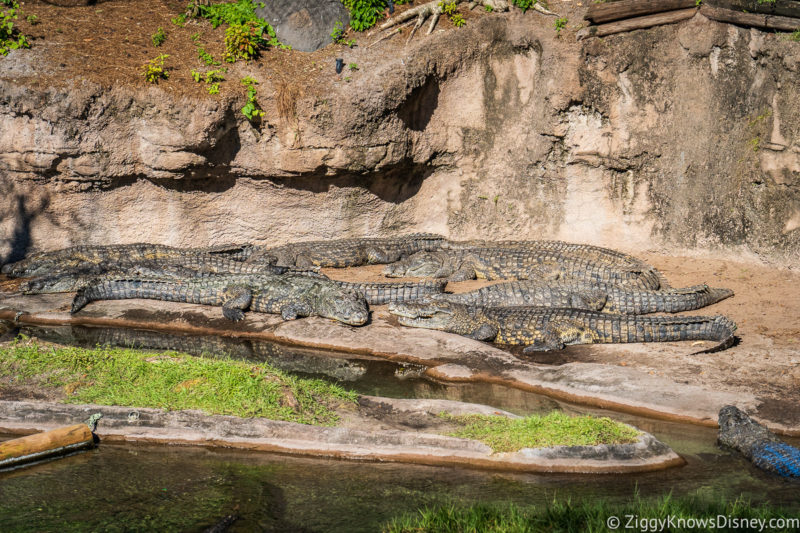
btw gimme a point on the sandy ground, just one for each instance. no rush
(766, 309)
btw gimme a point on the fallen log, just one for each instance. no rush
(637, 23)
(43, 445)
(769, 22)
(783, 8)
(601, 13)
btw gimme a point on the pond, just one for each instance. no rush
(134, 487)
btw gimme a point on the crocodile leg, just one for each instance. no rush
(235, 300)
(560, 333)
(296, 309)
(486, 332)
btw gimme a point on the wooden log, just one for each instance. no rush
(42, 445)
(637, 23)
(783, 8)
(769, 22)
(601, 13)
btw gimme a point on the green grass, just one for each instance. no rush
(555, 429)
(171, 380)
(592, 516)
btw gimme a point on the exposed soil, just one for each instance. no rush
(766, 309)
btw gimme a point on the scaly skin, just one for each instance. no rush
(80, 256)
(72, 279)
(542, 329)
(209, 267)
(347, 252)
(757, 443)
(290, 295)
(599, 297)
(497, 263)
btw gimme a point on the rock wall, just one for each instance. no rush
(681, 136)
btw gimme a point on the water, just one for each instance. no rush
(172, 488)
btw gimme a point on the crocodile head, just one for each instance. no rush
(446, 316)
(420, 265)
(345, 307)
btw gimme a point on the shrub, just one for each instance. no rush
(159, 37)
(364, 13)
(154, 69)
(10, 39)
(251, 110)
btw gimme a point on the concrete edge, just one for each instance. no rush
(197, 429)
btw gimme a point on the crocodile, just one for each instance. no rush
(290, 295)
(77, 256)
(757, 443)
(346, 252)
(543, 329)
(510, 263)
(375, 293)
(594, 297)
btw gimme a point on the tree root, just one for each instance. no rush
(434, 10)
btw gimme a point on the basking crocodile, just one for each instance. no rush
(76, 256)
(346, 252)
(375, 293)
(542, 329)
(290, 295)
(757, 443)
(595, 297)
(513, 263)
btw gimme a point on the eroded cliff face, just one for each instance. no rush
(682, 136)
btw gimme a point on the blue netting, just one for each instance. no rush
(779, 458)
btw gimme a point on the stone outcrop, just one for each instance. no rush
(678, 136)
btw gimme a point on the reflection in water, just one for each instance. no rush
(167, 488)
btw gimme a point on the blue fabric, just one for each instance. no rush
(778, 457)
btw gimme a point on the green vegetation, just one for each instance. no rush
(251, 110)
(246, 33)
(352, 66)
(155, 70)
(757, 127)
(525, 5)
(33, 20)
(212, 79)
(450, 8)
(337, 35)
(594, 516)
(10, 38)
(170, 380)
(770, 2)
(560, 24)
(795, 36)
(180, 20)
(205, 57)
(365, 13)
(159, 37)
(504, 434)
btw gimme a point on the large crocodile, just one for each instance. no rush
(378, 293)
(757, 443)
(77, 256)
(290, 295)
(542, 329)
(346, 252)
(521, 263)
(596, 297)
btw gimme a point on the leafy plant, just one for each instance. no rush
(207, 58)
(795, 36)
(450, 8)
(33, 20)
(525, 5)
(155, 70)
(242, 41)
(488, 8)
(457, 20)
(212, 78)
(337, 34)
(365, 13)
(251, 110)
(352, 66)
(159, 37)
(10, 39)
(560, 24)
(180, 20)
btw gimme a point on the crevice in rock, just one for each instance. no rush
(418, 108)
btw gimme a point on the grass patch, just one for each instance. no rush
(555, 429)
(173, 381)
(689, 513)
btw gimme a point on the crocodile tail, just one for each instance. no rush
(777, 457)
(79, 301)
(722, 330)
